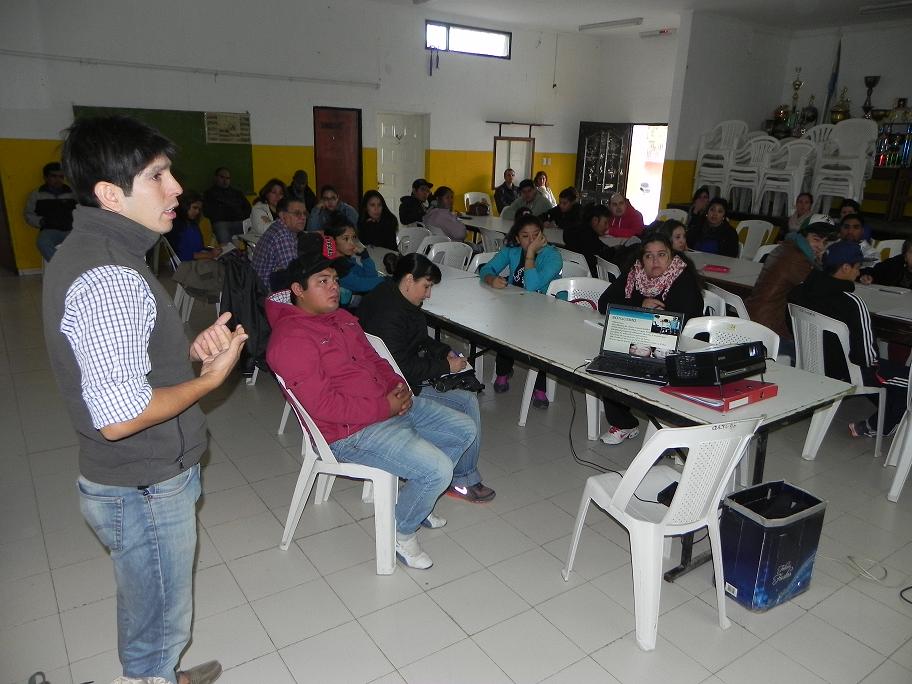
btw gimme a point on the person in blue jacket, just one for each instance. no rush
(362, 276)
(531, 263)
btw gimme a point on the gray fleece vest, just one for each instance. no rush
(162, 451)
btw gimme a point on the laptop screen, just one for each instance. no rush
(641, 332)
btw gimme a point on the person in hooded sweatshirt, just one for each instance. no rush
(831, 292)
(413, 207)
(363, 408)
(625, 220)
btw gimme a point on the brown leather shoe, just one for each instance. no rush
(201, 674)
(476, 493)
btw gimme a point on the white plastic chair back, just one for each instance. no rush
(752, 234)
(730, 330)
(809, 327)
(820, 136)
(606, 270)
(574, 264)
(435, 230)
(455, 254)
(425, 245)
(730, 299)
(320, 462)
(409, 238)
(713, 451)
(480, 260)
(717, 144)
(676, 214)
(471, 198)
(788, 173)
(889, 248)
(580, 290)
(491, 240)
(762, 251)
(749, 165)
(900, 454)
(854, 137)
(713, 304)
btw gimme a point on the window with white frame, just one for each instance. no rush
(467, 39)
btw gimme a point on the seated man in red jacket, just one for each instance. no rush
(625, 220)
(366, 412)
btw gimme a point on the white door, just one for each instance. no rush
(401, 145)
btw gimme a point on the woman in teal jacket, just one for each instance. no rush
(531, 263)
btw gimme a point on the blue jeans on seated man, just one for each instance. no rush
(151, 534)
(422, 447)
(465, 474)
(47, 241)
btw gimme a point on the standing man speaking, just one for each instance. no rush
(120, 356)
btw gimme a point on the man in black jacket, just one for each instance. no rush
(831, 292)
(506, 193)
(585, 237)
(50, 210)
(567, 212)
(412, 207)
(225, 206)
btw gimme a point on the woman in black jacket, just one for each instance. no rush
(659, 279)
(715, 234)
(392, 311)
(377, 225)
(895, 270)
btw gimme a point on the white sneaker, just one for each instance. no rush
(410, 553)
(616, 435)
(433, 521)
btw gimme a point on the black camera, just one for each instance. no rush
(465, 380)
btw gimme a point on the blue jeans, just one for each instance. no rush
(421, 447)
(48, 239)
(465, 474)
(151, 534)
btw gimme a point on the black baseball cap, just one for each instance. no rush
(419, 182)
(315, 253)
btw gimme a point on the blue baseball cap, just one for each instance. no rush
(842, 252)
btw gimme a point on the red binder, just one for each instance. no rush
(726, 397)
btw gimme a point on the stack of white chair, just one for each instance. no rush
(750, 163)
(715, 154)
(788, 174)
(841, 171)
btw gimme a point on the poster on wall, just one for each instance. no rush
(227, 127)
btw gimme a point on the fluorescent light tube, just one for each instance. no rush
(618, 23)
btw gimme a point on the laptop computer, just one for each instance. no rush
(635, 343)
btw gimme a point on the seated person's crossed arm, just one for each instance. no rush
(365, 411)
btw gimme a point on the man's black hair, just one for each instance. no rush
(50, 168)
(113, 149)
(282, 204)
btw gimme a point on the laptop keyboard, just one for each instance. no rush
(630, 366)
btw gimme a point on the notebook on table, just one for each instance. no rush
(635, 343)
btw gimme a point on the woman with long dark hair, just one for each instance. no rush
(264, 209)
(377, 225)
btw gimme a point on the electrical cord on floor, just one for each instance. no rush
(902, 594)
(863, 567)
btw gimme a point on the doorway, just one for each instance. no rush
(7, 258)
(402, 141)
(337, 151)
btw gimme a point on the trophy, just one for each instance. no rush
(870, 83)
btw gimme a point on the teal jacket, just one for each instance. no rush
(548, 265)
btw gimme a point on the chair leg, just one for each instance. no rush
(367, 492)
(385, 523)
(325, 482)
(903, 453)
(716, 544)
(251, 381)
(531, 377)
(881, 407)
(479, 367)
(551, 388)
(820, 423)
(894, 455)
(285, 412)
(646, 557)
(299, 499)
(593, 416)
(577, 531)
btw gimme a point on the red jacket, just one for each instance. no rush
(328, 364)
(628, 225)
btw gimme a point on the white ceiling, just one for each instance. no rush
(567, 15)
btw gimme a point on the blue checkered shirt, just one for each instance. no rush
(274, 251)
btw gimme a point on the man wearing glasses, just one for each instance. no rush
(279, 244)
(50, 210)
(225, 206)
(329, 204)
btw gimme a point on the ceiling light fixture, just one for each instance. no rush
(884, 7)
(619, 23)
(658, 33)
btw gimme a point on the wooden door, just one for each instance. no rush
(7, 258)
(337, 151)
(602, 156)
(401, 146)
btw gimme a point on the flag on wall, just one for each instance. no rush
(834, 78)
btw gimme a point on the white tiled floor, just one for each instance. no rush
(492, 609)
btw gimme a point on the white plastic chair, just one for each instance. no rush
(606, 270)
(320, 465)
(713, 304)
(471, 198)
(731, 300)
(455, 254)
(788, 173)
(426, 243)
(888, 248)
(762, 251)
(480, 260)
(900, 454)
(409, 238)
(435, 230)
(676, 214)
(808, 327)
(753, 233)
(183, 302)
(749, 164)
(713, 451)
(575, 264)
(731, 330)
(715, 154)
(491, 240)
(842, 169)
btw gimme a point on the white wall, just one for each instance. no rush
(357, 40)
(882, 49)
(734, 71)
